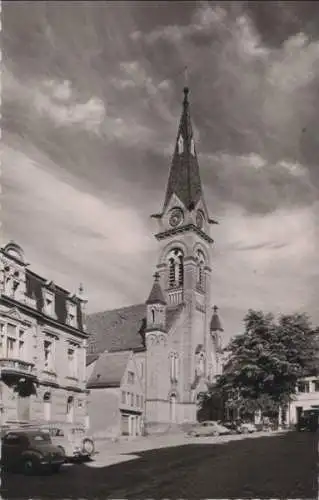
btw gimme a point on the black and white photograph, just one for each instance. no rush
(159, 242)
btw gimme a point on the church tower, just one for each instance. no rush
(184, 267)
(156, 346)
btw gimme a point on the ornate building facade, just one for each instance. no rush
(42, 345)
(176, 334)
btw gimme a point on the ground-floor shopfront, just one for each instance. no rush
(25, 399)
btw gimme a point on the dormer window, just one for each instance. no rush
(180, 144)
(71, 314)
(11, 281)
(192, 147)
(48, 303)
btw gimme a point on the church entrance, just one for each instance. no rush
(172, 408)
(130, 424)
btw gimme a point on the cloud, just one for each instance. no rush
(91, 110)
(89, 114)
(62, 91)
(97, 237)
(55, 100)
(265, 261)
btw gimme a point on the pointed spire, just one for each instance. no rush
(156, 296)
(184, 178)
(215, 323)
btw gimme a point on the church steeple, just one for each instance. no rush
(215, 324)
(156, 308)
(184, 178)
(156, 295)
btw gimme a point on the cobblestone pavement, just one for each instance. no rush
(273, 466)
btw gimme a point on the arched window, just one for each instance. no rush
(200, 262)
(176, 268)
(200, 361)
(174, 366)
(70, 409)
(153, 316)
(47, 406)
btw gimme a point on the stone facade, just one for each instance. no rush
(176, 334)
(42, 346)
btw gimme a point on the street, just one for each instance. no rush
(274, 466)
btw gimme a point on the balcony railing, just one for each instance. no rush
(18, 366)
(48, 375)
(175, 297)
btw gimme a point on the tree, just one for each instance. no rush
(265, 362)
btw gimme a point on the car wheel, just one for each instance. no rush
(245, 431)
(56, 468)
(29, 466)
(88, 446)
(215, 434)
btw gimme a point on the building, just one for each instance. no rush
(43, 345)
(116, 390)
(175, 343)
(306, 398)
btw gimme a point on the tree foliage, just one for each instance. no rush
(265, 362)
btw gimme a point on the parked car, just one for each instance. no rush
(208, 428)
(246, 428)
(30, 451)
(309, 421)
(231, 426)
(72, 439)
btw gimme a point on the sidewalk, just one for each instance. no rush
(108, 451)
(138, 443)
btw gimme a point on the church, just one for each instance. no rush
(147, 363)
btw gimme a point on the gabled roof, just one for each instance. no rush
(109, 370)
(184, 178)
(121, 329)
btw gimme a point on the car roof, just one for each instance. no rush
(29, 432)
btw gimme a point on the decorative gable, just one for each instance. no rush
(14, 313)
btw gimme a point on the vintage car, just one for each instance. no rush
(72, 439)
(30, 451)
(246, 428)
(208, 428)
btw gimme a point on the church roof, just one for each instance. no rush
(184, 178)
(109, 370)
(156, 296)
(215, 323)
(121, 329)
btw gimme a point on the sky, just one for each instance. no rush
(91, 99)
